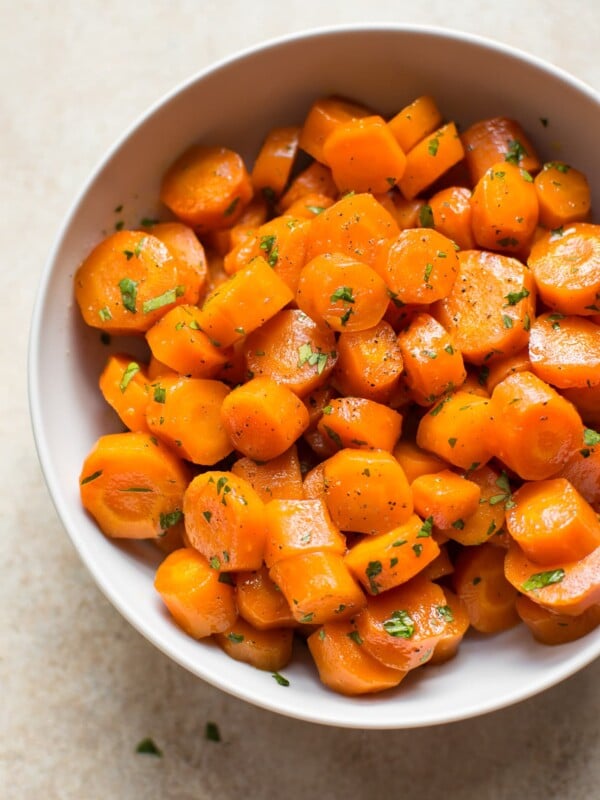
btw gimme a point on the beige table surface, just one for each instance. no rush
(79, 687)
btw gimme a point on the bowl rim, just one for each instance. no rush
(547, 679)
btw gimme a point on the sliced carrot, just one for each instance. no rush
(366, 491)
(157, 369)
(490, 307)
(191, 590)
(489, 141)
(177, 341)
(224, 520)
(185, 246)
(564, 587)
(487, 521)
(419, 266)
(293, 350)
(127, 282)
(360, 423)
(280, 478)
(260, 602)
(552, 629)
(386, 560)
(282, 242)
(415, 121)
(587, 402)
(402, 626)
(133, 486)
(369, 363)
(563, 194)
(565, 351)
(310, 205)
(124, 386)
(318, 587)
(504, 208)
(275, 159)
(441, 564)
(322, 446)
(356, 226)
(501, 368)
(566, 268)
(270, 650)
(457, 430)
(534, 430)
(253, 216)
(234, 371)
(315, 179)
(364, 155)
(186, 414)
(344, 665)
(582, 468)
(171, 539)
(323, 117)
(432, 361)
(301, 526)
(316, 401)
(429, 159)
(457, 616)
(552, 522)
(216, 271)
(415, 461)
(263, 418)
(479, 581)
(342, 293)
(243, 303)
(207, 187)
(407, 213)
(451, 213)
(313, 485)
(445, 497)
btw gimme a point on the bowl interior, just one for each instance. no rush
(234, 104)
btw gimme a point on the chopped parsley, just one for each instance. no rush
(128, 289)
(400, 625)
(540, 579)
(211, 732)
(269, 245)
(433, 146)
(147, 747)
(280, 679)
(372, 571)
(515, 153)
(512, 298)
(505, 496)
(128, 374)
(426, 216)
(90, 478)
(343, 293)
(445, 613)
(160, 394)
(314, 358)
(164, 299)
(231, 207)
(169, 519)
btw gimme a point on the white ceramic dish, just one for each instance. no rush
(235, 103)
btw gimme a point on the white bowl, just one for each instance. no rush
(234, 103)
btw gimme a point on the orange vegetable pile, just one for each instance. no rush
(367, 413)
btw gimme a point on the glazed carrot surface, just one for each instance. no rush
(363, 407)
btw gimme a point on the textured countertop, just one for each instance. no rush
(80, 688)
